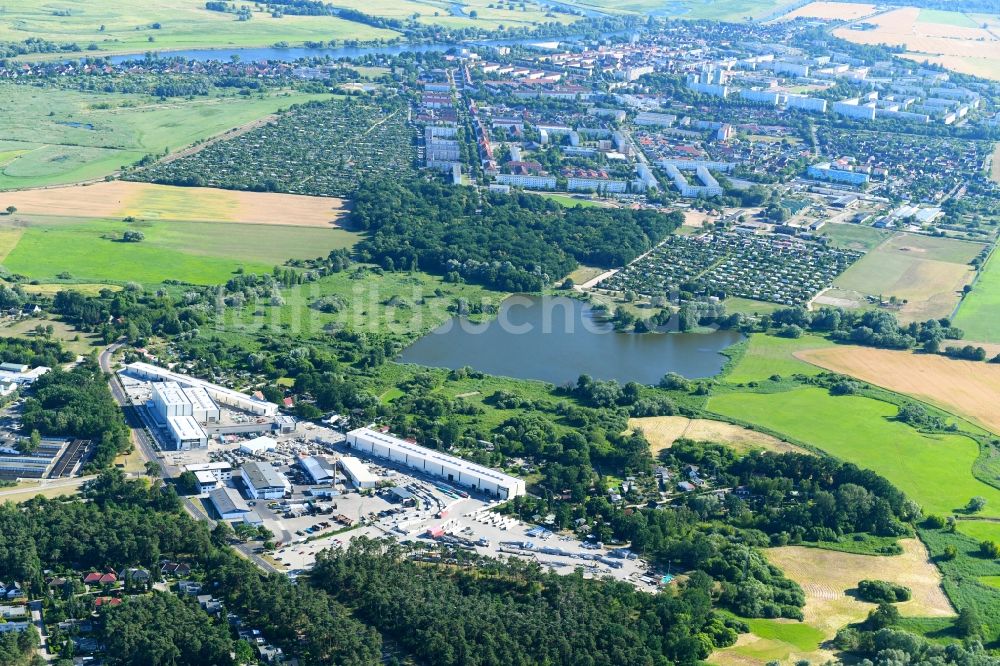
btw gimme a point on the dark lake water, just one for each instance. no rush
(558, 339)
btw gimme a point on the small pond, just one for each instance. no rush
(556, 339)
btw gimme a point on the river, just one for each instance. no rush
(556, 339)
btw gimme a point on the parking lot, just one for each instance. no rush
(406, 505)
(434, 513)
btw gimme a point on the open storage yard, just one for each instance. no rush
(320, 149)
(762, 268)
(967, 388)
(143, 201)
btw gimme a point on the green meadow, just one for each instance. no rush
(114, 26)
(977, 315)
(720, 10)
(855, 236)
(402, 305)
(91, 250)
(50, 136)
(981, 530)
(798, 636)
(958, 19)
(933, 469)
(748, 305)
(767, 355)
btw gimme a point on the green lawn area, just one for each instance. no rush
(896, 262)
(855, 236)
(196, 252)
(928, 273)
(750, 306)
(768, 355)
(935, 470)
(52, 136)
(401, 305)
(941, 17)
(977, 315)
(570, 200)
(804, 637)
(981, 530)
(992, 581)
(74, 341)
(129, 27)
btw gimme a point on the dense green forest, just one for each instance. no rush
(486, 612)
(78, 403)
(517, 242)
(514, 614)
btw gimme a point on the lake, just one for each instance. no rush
(556, 339)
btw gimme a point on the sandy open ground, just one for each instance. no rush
(119, 199)
(972, 50)
(696, 218)
(827, 578)
(966, 388)
(663, 431)
(827, 575)
(833, 11)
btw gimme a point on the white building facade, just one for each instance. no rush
(449, 468)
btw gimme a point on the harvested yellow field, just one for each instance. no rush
(832, 11)
(663, 431)
(9, 237)
(85, 288)
(967, 388)
(827, 577)
(973, 50)
(119, 199)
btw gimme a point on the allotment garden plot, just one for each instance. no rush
(320, 149)
(763, 268)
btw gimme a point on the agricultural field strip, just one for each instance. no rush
(144, 201)
(967, 388)
(936, 470)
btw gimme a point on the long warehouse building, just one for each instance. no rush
(452, 469)
(219, 394)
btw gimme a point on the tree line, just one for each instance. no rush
(518, 242)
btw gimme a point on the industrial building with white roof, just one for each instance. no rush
(263, 481)
(220, 394)
(356, 471)
(438, 464)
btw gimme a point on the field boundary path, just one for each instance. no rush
(232, 133)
